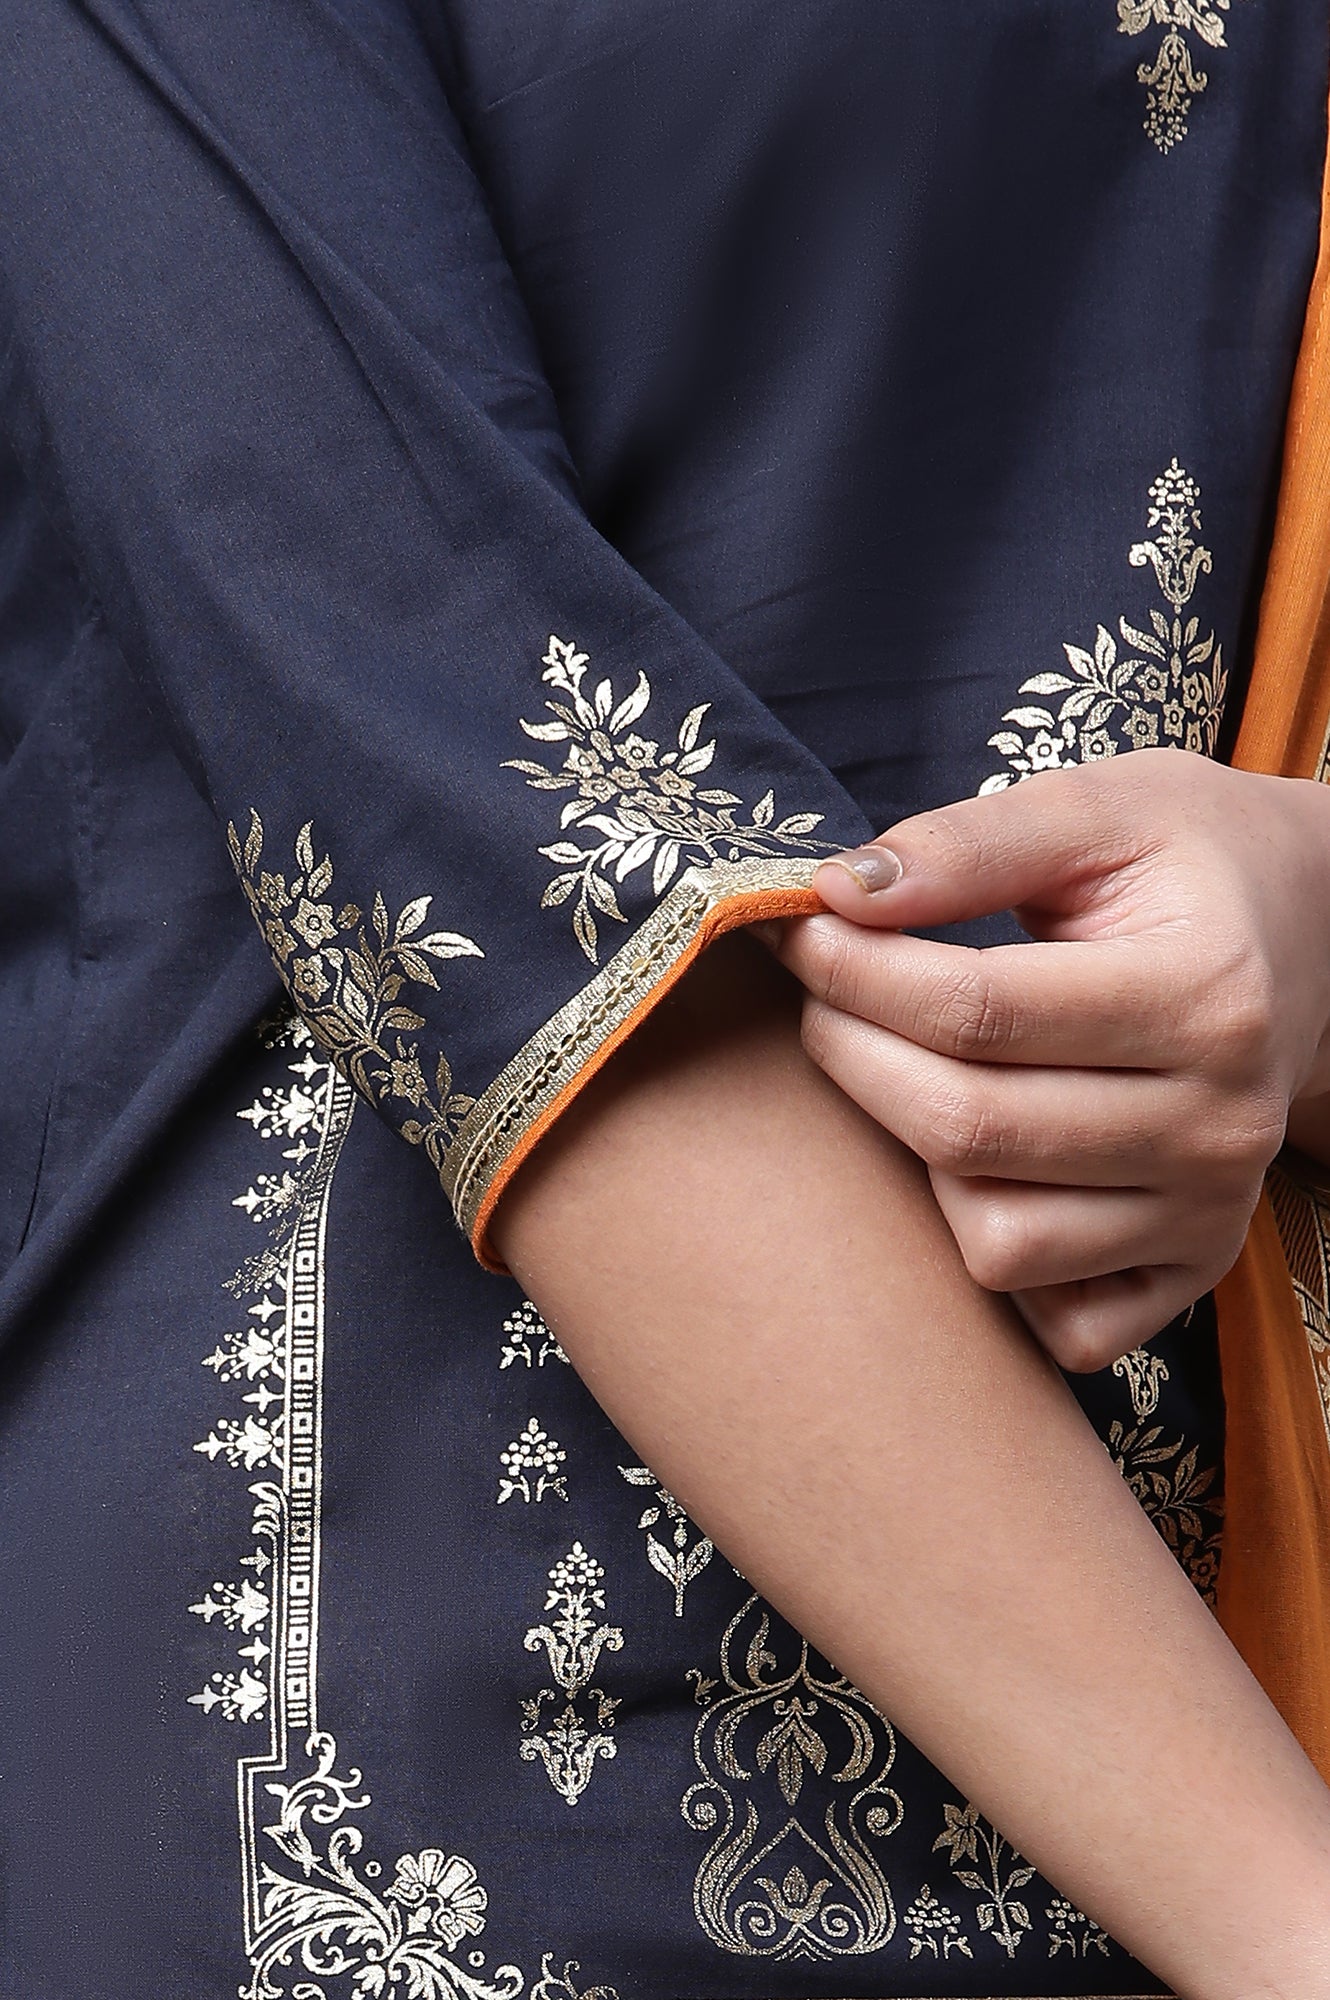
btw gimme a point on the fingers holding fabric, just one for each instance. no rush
(1094, 1004)
(1048, 839)
(1085, 1127)
(1105, 1201)
(1098, 1106)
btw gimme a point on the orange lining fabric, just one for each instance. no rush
(1274, 1585)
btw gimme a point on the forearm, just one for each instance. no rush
(756, 1284)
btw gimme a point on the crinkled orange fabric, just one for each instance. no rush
(1274, 1587)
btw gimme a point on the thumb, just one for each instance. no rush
(1048, 842)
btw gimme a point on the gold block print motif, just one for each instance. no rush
(319, 1915)
(347, 975)
(569, 1740)
(787, 1891)
(641, 806)
(316, 1917)
(1172, 80)
(1157, 684)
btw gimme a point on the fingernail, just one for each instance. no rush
(871, 868)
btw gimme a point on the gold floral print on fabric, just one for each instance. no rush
(1071, 1930)
(532, 1466)
(1171, 77)
(641, 806)
(1166, 685)
(769, 1884)
(318, 1919)
(981, 1860)
(347, 975)
(573, 1640)
(991, 1869)
(682, 1559)
(528, 1341)
(931, 1926)
(1166, 1476)
(1138, 688)
(1177, 1492)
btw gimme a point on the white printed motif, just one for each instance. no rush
(679, 1561)
(1166, 690)
(641, 804)
(528, 1340)
(531, 1466)
(1172, 80)
(573, 1641)
(315, 1924)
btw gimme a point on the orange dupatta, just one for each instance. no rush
(1274, 1306)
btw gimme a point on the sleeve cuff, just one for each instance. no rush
(505, 1125)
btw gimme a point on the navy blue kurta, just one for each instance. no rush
(482, 490)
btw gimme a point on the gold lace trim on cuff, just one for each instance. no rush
(527, 1096)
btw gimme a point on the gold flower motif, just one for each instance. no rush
(350, 985)
(1171, 686)
(309, 979)
(407, 1078)
(1172, 80)
(642, 807)
(314, 921)
(444, 1888)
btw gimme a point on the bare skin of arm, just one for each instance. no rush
(755, 1282)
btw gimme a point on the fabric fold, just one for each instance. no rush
(485, 790)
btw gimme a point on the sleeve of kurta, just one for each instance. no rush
(486, 793)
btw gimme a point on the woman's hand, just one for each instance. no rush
(1096, 1109)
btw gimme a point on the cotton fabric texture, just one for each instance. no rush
(491, 496)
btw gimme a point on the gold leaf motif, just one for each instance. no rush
(677, 1561)
(346, 980)
(1168, 691)
(1175, 1491)
(640, 804)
